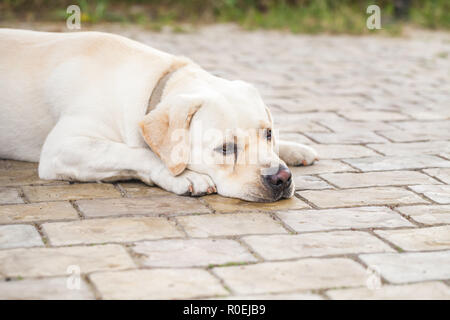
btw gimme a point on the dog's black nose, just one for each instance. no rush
(279, 180)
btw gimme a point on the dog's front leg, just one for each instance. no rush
(92, 159)
(83, 158)
(295, 154)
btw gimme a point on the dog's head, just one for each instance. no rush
(226, 133)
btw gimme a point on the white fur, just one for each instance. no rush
(73, 101)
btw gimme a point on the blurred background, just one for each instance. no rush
(298, 16)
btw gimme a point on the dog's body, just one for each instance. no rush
(74, 102)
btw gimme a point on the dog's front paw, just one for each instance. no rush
(295, 154)
(195, 184)
(189, 183)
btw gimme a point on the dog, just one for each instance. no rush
(92, 106)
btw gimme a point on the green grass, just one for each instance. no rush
(433, 14)
(313, 19)
(297, 16)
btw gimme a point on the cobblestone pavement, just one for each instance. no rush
(370, 220)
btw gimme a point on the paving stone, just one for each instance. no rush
(416, 291)
(278, 247)
(300, 125)
(37, 212)
(71, 192)
(348, 218)
(313, 116)
(109, 230)
(157, 284)
(10, 196)
(431, 214)
(278, 296)
(438, 193)
(422, 126)
(272, 277)
(354, 137)
(229, 224)
(303, 182)
(9, 165)
(364, 115)
(341, 151)
(322, 166)
(316, 103)
(141, 190)
(283, 104)
(222, 204)
(41, 262)
(440, 173)
(419, 134)
(426, 114)
(191, 253)
(410, 266)
(301, 122)
(397, 162)
(44, 289)
(295, 137)
(341, 125)
(19, 235)
(361, 197)
(434, 238)
(23, 177)
(408, 149)
(378, 179)
(171, 204)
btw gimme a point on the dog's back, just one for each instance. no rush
(22, 58)
(41, 73)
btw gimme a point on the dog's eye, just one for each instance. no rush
(269, 134)
(227, 148)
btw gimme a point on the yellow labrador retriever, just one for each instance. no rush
(94, 106)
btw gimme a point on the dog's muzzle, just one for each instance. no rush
(278, 184)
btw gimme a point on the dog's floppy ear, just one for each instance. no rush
(166, 130)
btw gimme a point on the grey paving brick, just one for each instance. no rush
(229, 224)
(19, 235)
(416, 291)
(438, 193)
(431, 214)
(41, 262)
(410, 267)
(158, 205)
(109, 230)
(361, 197)
(419, 239)
(348, 218)
(398, 162)
(37, 212)
(278, 247)
(303, 274)
(157, 284)
(45, 289)
(9, 196)
(378, 179)
(193, 252)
